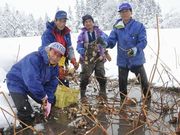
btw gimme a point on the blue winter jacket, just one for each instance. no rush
(133, 34)
(48, 37)
(34, 76)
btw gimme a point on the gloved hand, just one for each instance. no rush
(81, 51)
(62, 73)
(100, 41)
(75, 64)
(47, 109)
(108, 57)
(132, 52)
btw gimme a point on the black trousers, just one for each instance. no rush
(87, 70)
(140, 74)
(24, 110)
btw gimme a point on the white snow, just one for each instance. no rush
(169, 60)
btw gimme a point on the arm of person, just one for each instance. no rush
(80, 44)
(31, 76)
(103, 35)
(50, 87)
(70, 49)
(112, 39)
(142, 38)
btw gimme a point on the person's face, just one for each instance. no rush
(60, 23)
(89, 24)
(54, 56)
(126, 15)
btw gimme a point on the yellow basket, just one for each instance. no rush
(65, 96)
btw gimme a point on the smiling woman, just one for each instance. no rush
(37, 79)
(55, 52)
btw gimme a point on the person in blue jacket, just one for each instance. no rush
(35, 75)
(57, 31)
(130, 36)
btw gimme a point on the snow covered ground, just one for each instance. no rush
(169, 59)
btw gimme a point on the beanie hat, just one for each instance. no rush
(57, 46)
(86, 17)
(124, 6)
(61, 15)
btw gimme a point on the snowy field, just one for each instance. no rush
(169, 62)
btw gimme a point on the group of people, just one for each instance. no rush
(37, 74)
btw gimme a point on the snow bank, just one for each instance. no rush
(169, 62)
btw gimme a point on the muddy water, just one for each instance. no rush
(117, 125)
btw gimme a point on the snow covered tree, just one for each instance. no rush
(14, 23)
(7, 21)
(80, 11)
(147, 14)
(46, 18)
(71, 21)
(171, 20)
(98, 9)
(23, 26)
(145, 11)
(31, 26)
(108, 14)
(1, 26)
(16, 26)
(40, 26)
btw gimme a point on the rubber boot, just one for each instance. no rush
(102, 84)
(83, 85)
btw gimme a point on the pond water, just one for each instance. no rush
(98, 117)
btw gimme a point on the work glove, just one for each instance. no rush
(108, 57)
(81, 51)
(75, 64)
(46, 106)
(132, 52)
(47, 109)
(100, 40)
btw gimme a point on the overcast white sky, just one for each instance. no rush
(40, 7)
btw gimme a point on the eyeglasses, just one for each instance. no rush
(55, 52)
